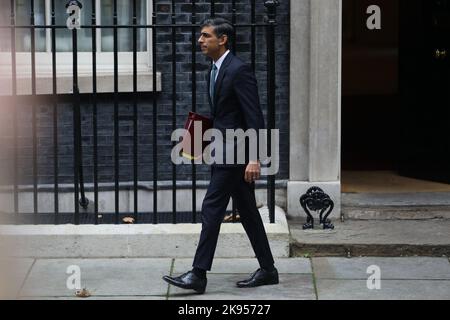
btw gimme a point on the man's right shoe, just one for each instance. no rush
(260, 277)
(188, 280)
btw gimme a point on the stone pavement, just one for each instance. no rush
(383, 238)
(300, 278)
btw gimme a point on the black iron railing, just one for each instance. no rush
(80, 199)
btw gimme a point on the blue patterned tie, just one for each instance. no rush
(212, 82)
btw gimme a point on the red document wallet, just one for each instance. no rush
(188, 139)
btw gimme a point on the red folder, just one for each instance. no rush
(188, 139)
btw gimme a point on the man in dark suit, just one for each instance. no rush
(234, 101)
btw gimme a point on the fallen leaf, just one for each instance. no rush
(83, 293)
(229, 218)
(128, 220)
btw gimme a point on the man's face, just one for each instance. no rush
(209, 43)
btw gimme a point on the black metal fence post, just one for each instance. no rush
(155, 122)
(233, 50)
(194, 105)
(271, 6)
(116, 113)
(76, 106)
(34, 120)
(14, 105)
(253, 34)
(55, 115)
(94, 109)
(78, 158)
(135, 118)
(174, 111)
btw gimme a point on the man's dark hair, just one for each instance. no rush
(221, 27)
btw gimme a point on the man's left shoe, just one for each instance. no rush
(260, 277)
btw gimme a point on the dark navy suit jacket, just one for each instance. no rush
(236, 99)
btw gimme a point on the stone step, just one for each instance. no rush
(373, 238)
(163, 240)
(391, 206)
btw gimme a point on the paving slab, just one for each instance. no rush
(422, 268)
(246, 266)
(377, 232)
(223, 287)
(400, 199)
(102, 277)
(13, 272)
(373, 238)
(390, 290)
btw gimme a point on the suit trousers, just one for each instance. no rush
(226, 182)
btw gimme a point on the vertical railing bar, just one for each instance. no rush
(253, 37)
(83, 201)
(270, 29)
(33, 106)
(233, 49)
(213, 9)
(194, 102)
(155, 114)
(116, 115)
(233, 21)
(76, 126)
(135, 119)
(174, 113)
(94, 107)
(48, 30)
(233, 205)
(270, 116)
(98, 8)
(55, 113)
(253, 34)
(14, 105)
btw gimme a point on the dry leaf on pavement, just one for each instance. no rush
(128, 220)
(83, 293)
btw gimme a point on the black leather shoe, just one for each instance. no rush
(188, 280)
(260, 277)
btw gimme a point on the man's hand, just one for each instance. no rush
(252, 171)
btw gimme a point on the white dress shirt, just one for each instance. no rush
(218, 63)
